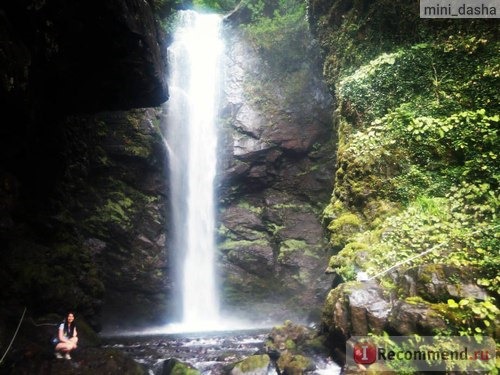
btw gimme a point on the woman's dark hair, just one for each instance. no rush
(69, 329)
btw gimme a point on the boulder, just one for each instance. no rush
(253, 365)
(357, 309)
(421, 318)
(440, 282)
(173, 366)
(292, 346)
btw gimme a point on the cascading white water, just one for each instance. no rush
(194, 63)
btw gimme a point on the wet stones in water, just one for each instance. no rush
(173, 366)
(253, 365)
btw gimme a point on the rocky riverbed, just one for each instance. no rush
(212, 353)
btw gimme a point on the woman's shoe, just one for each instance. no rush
(58, 355)
(67, 356)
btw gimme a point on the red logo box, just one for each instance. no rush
(364, 353)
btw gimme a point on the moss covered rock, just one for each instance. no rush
(105, 236)
(253, 365)
(295, 364)
(175, 367)
(292, 337)
(294, 345)
(272, 248)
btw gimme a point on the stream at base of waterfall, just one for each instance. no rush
(211, 353)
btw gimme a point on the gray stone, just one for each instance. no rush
(407, 319)
(439, 282)
(368, 309)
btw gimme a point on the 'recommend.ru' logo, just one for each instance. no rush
(364, 353)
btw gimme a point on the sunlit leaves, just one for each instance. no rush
(279, 32)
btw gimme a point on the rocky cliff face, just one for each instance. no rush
(82, 56)
(122, 211)
(78, 190)
(276, 170)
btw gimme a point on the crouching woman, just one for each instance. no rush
(67, 337)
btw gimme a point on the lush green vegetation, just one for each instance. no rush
(164, 7)
(278, 30)
(417, 160)
(216, 5)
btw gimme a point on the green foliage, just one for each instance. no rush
(466, 139)
(115, 210)
(433, 80)
(349, 260)
(215, 5)
(279, 30)
(458, 238)
(164, 8)
(417, 171)
(356, 34)
(269, 9)
(401, 157)
(473, 317)
(417, 142)
(443, 343)
(384, 341)
(353, 35)
(343, 227)
(289, 247)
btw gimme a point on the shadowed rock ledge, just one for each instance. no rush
(75, 186)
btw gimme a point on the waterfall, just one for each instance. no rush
(194, 63)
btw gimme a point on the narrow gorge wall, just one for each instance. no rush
(276, 173)
(82, 197)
